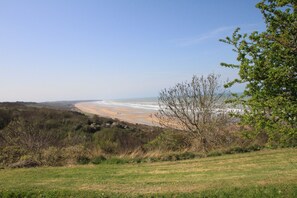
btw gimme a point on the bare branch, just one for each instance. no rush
(196, 107)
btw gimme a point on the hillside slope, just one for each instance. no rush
(35, 135)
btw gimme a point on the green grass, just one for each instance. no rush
(268, 173)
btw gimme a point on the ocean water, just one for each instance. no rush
(137, 103)
(151, 104)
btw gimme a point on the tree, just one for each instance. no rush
(196, 107)
(28, 136)
(267, 64)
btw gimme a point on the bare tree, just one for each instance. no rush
(28, 136)
(196, 107)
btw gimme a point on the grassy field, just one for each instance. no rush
(269, 173)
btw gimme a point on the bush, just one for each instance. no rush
(107, 140)
(71, 153)
(186, 155)
(98, 159)
(255, 147)
(109, 146)
(244, 149)
(178, 156)
(236, 150)
(168, 141)
(5, 118)
(26, 161)
(137, 160)
(11, 154)
(214, 154)
(52, 124)
(116, 160)
(83, 160)
(52, 156)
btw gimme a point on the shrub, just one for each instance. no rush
(52, 156)
(52, 124)
(26, 161)
(72, 153)
(137, 160)
(243, 149)
(255, 147)
(178, 156)
(11, 154)
(5, 118)
(107, 140)
(83, 160)
(236, 150)
(187, 155)
(214, 154)
(116, 160)
(169, 141)
(98, 159)
(109, 146)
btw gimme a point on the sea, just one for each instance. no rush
(149, 104)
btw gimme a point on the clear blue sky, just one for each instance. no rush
(84, 49)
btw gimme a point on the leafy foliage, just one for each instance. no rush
(268, 68)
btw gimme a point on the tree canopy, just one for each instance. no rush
(267, 64)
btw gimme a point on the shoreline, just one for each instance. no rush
(127, 114)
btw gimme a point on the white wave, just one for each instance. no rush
(140, 105)
(154, 106)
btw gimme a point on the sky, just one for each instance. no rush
(108, 49)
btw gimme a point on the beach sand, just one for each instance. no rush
(127, 114)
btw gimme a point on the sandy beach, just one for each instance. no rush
(128, 114)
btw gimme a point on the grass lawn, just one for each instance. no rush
(269, 173)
